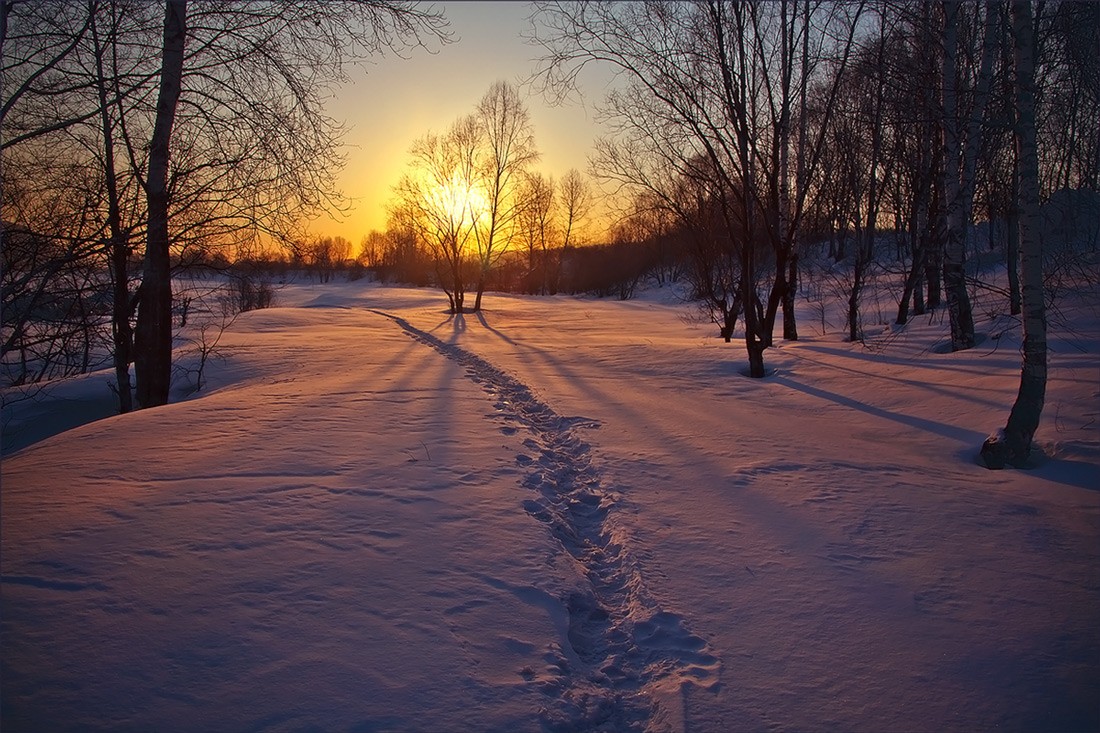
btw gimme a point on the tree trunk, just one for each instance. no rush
(790, 326)
(754, 340)
(865, 238)
(787, 236)
(855, 333)
(730, 314)
(911, 291)
(1012, 245)
(153, 336)
(954, 276)
(756, 356)
(1012, 445)
(458, 299)
(934, 266)
(117, 248)
(480, 292)
(961, 203)
(918, 293)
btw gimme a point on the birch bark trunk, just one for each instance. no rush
(961, 143)
(1012, 445)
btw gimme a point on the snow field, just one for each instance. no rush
(303, 547)
(561, 514)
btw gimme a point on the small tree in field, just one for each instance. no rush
(441, 202)
(464, 195)
(507, 151)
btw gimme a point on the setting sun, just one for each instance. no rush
(457, 202)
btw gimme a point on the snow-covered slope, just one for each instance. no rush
(561, 514)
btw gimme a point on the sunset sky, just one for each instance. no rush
(394, 101)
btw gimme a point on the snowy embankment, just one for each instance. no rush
(561, 514)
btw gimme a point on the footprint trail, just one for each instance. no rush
(634, 656)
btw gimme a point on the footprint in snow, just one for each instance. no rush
(624, 656)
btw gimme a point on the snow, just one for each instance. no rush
(562, 514)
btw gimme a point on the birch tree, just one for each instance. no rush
(153, 333)
(918, 157)
(962, 138)
(1012, 445)
(859, 137)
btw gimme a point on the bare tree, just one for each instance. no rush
(441, 201)
(372, 249)
(918, 158)
(508, 152)
(249, 149)
(721, 80)
(1012, 445)
(1068, 104)
(153, 334)
(52, 200)
(859, 138)
(962, 137)
(538, 230)
(576, 198)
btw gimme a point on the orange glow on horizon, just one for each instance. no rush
(392, 102)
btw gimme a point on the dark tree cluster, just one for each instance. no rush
(141, 137)
(762, 127)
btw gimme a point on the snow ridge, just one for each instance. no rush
(631, 659)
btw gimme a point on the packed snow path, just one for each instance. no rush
(627, 642)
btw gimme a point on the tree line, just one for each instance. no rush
(756, 127)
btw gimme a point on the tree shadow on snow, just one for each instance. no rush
(484, 322)
(970, 437)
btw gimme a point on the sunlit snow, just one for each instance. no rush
(561, 514)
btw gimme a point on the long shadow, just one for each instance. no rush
(948, 431)
(930, 363)
(484, 322)
(400, 357)
(459, 327)
(947, 390)
(1078, 474)
(440, 451)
